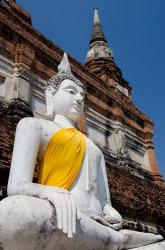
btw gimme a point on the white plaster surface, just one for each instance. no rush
(136, 156)
(38, 106)
(97, 131)
(96, 135)
(122, 89)
(99, 49)
(146, 162)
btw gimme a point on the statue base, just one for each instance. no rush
(155, 246)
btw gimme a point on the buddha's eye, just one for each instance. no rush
(71, 91)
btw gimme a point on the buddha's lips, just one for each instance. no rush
(77, 107)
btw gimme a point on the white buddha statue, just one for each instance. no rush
(70, 207)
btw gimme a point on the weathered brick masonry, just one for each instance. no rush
(10, 115)
(137, 198)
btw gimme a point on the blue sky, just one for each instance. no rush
(135, 30)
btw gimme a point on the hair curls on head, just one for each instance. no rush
(56, 80)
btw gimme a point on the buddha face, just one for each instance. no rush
(69, 100)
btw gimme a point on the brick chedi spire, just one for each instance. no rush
(97, 34)
(100, 61)
(98, 43)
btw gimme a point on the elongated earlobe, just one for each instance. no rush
(49, 101)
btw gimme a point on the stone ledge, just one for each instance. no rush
(156, 246)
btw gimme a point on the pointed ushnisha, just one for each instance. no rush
(64, 72)
(64, 66)
(98, 44)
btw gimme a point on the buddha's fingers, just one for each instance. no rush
(58, 210)
(64, 212)
(116, 226)
(73, 214)
(69, 208)
(78, 213)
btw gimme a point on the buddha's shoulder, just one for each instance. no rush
(36, 123)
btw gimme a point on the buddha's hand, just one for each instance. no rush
(65, 206)
(112, 217)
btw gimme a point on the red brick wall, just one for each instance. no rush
(135, 197)
(10, 114)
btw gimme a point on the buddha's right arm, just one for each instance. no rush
(26, 146)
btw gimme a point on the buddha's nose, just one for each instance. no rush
(79, 98)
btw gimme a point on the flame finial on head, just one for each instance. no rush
(64, 66)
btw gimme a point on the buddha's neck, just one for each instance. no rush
(64, 122)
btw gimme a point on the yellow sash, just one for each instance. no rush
(63, 158)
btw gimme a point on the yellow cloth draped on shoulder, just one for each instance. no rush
(63, 158)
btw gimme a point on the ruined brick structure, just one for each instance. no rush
(124, 134)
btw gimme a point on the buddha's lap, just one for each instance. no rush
(32, 215)
(24, 218)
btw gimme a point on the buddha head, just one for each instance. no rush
(64, 93)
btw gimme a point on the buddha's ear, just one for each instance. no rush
(49, 92)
